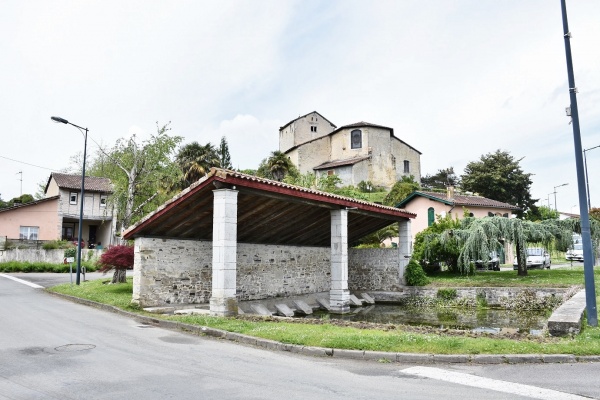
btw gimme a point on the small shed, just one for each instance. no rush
(232, 236)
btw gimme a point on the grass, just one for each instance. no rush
(534, 278)
(389, 338)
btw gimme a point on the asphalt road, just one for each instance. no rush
(51, 348)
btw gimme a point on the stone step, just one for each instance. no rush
(355, 301)
(367, 298)
(284, 310)
(324, 303)
(302, 307)
(260, 309)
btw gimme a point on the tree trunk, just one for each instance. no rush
(521, 259)
(119, 276)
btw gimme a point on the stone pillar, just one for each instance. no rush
(223, 301)
(404, 247)
(339, 295)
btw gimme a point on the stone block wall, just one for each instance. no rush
(169, 271)
(265, 271)
(494, 296)
(374, 269)
(180, 271)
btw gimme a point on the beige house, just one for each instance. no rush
(56, 216)
(357, 152)
(428, 205)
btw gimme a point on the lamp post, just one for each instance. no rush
(588, 266)
(564, 184)
(587, 182)
(548, 198)
(85, 130)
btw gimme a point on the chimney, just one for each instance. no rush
(450, 192)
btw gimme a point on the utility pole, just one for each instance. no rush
(588, 257)
(21, 172)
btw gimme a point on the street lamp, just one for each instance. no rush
(564, 184)
(85, 130)
(584, 220)
(587, 183)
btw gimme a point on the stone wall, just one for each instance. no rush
(374, 269)
(492, 295)
(180, 271)
(41, 255)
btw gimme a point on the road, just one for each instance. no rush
(51, 348)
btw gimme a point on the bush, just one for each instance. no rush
(446, 294)
(57, 244)
(414, 274)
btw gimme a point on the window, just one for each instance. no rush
(102, 200)
(73, 198)
(330, 172)
(29, 232)
(406, 166)
(430, 216)
(356, 139)
(313, 128)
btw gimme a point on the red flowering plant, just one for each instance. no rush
(119, 258)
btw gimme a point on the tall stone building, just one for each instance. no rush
(356, 152)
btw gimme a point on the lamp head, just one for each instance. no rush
(59, 119)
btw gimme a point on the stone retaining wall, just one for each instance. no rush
(492, 295)
(169, 271)
(41, 255)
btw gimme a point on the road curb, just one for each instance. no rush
(404, 358)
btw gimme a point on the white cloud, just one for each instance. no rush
(456, 80)
(250, 140)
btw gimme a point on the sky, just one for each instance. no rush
(455, 79)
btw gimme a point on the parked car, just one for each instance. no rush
(493, 262)
(575, 252)
(537, 257)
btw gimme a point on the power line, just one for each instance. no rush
(23, 162)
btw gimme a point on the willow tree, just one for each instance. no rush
(477, 237)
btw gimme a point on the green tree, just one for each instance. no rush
(401, 190)
(142, 173)
(195, 161)
(277, 167)
(541, 213)
(440, 180)
(430, 252)
(224, 156)
(3, 204)
(477, 237)
(498, 176)
(22, 199)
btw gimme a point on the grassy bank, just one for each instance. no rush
(535, 278)
(377, 337)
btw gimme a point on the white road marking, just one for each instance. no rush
(491, 384)
(33, 285)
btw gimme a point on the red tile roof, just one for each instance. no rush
(461, 200)
(92, 183)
